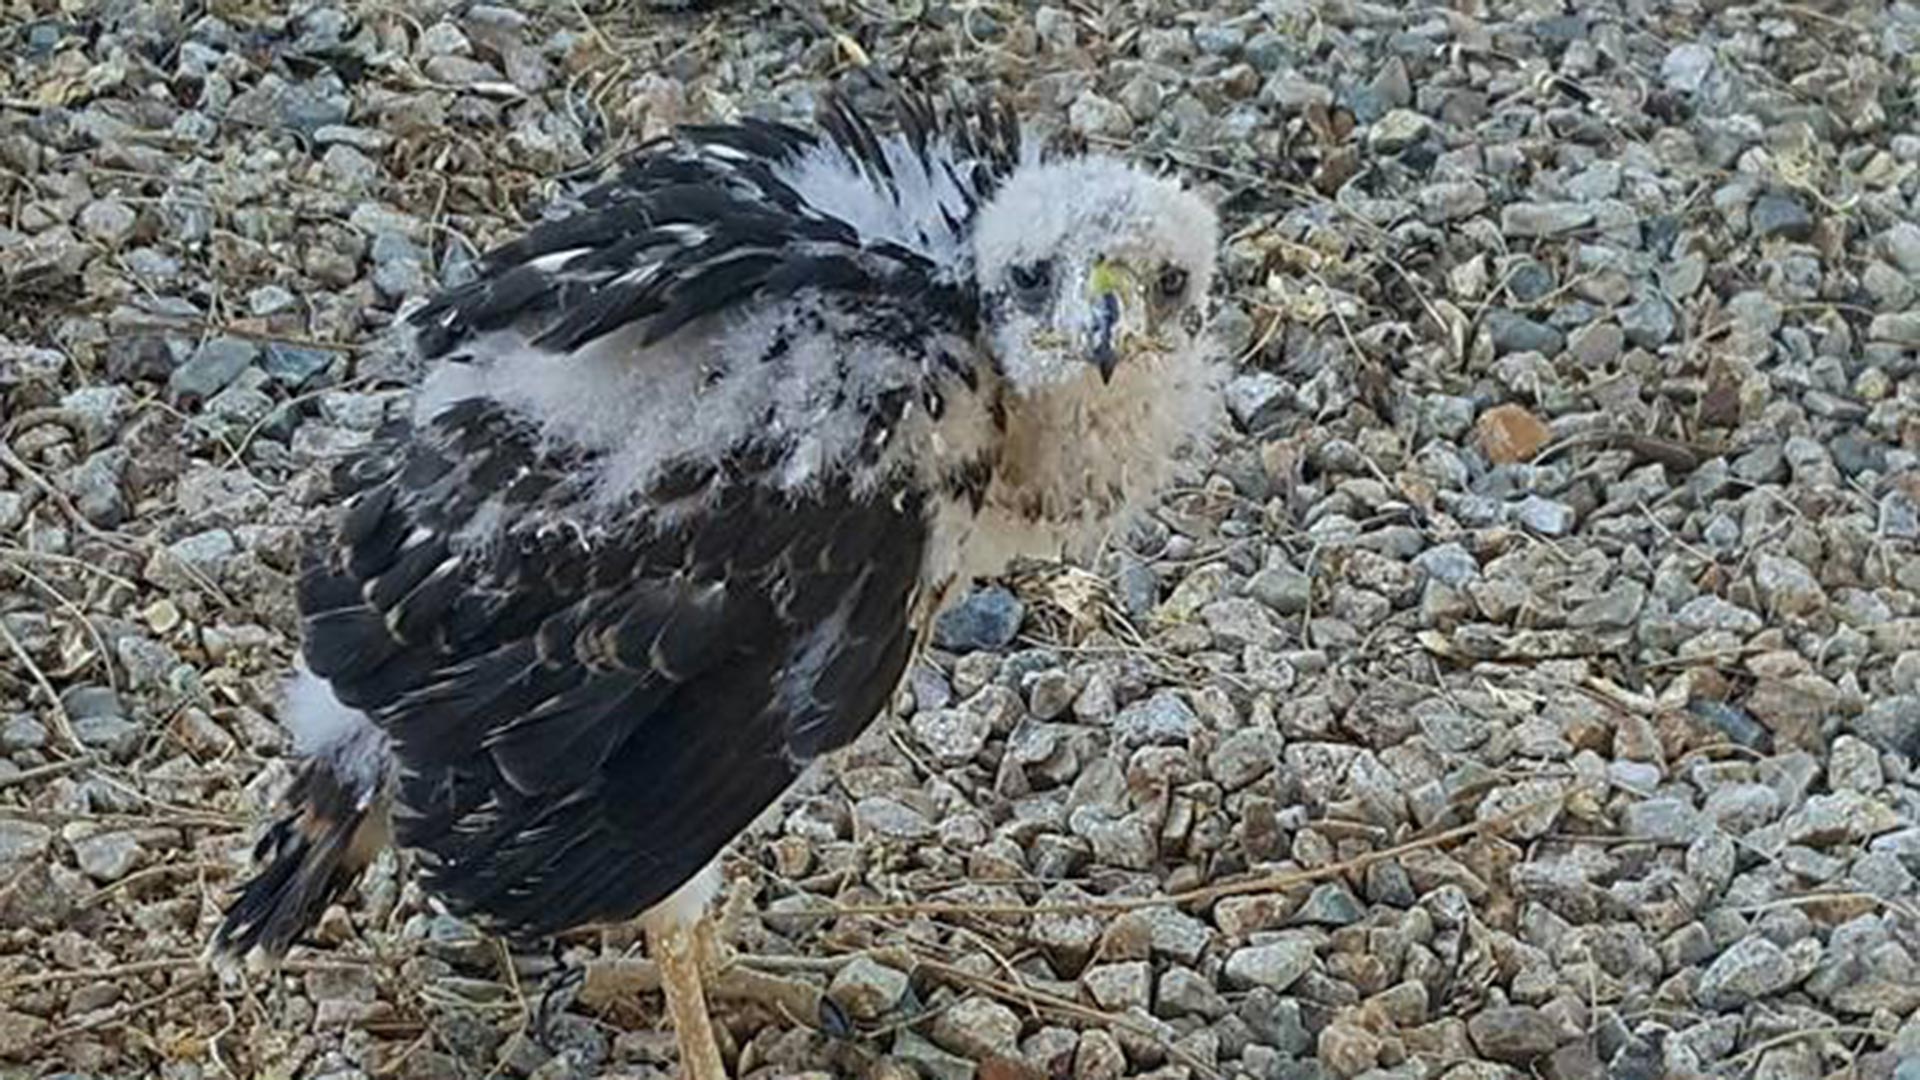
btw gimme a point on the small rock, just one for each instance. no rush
(1295, 94)
(1070, 936)
(1243, 757)
(1284, 589)
(1056, 29)
(1512, 332)
(1649, 321)
(1182, 992)
(1752, 968)
(99, 723)
(1704, 613)
(1787, 586)
(1782, 216)
(1275, 966)
(19, 1032)
(1050, 694)
(1091, 114)
(1686, 67)
(1853, 765)
(986, 620)
(1099, 1057)
(1257, 399)
(1453, 200)
(1119, 987)
(1174, 933)
(1896, 327)
(108, 221)
(352, 170)
(1347, 1049)
(1662, 820)
(1544, 516)
(1902, 245)
(292, 366)
(868, 989)
(1840, 817)
(891, 818)
(977, 1027)
(1164, 718)
(1596, 344)
(1509, 434)
(1601, 180)
(22, 842)
(211, 367)
(1528, 220)
(109, 856)
(1237, 622)
(953, 736)
(1397, 130)
(1330, 904)
(1513, 1034)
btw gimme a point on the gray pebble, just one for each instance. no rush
(1511, 332)
(952, 736)
(891, 819)
(1535, 220)
(1164, 718)
(1597, 344)
(1781, 216)
(1649, 321)
(1901, 243)
(1896, 327)
(1275, 966)
(867, 989)
(1544, 516)
(108, 856)
(1330, 904)
(1257, 399)
(1686, 67)
(1516, 1034)
(109, 221)
(211, 367)
(987, 619)
(1662, 820)
(1750, 969)
(1243, 757)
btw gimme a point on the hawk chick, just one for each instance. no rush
(691, 467)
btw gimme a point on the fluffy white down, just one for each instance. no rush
(644, 407)
(345, 739)
(1090, 456)
(1094, 204)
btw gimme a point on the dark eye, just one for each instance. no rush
(1032, 277)
(1172, 283)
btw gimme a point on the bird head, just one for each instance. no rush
(1091, 270)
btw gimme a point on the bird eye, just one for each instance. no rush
(1172, 283)
(1032, 277)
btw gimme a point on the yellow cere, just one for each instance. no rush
(1110, 277)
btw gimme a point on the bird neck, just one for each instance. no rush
(1051, 474)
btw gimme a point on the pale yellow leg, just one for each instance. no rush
(676, 949)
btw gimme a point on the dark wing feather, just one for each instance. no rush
(700, 221)
(584, 717)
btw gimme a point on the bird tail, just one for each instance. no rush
(331, 829)
(334, 820)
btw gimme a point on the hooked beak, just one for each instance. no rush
(1109, 288)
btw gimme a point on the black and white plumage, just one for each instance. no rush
(690, 470)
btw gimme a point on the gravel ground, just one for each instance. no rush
(1532, 689)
